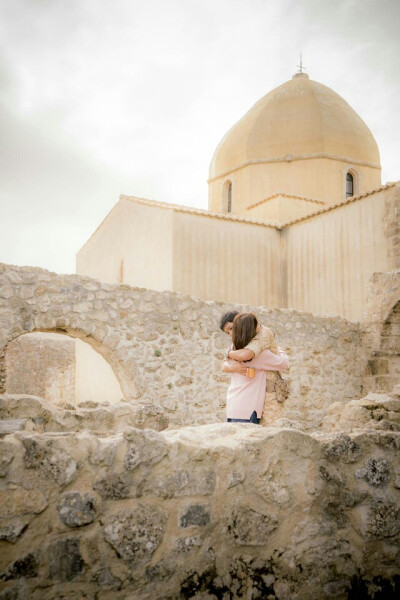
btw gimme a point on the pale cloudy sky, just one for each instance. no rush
(103, 97)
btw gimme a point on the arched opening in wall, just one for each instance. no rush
(227, 197)
(385, 365)
(351, 184)
(390, 349)
(63, 370)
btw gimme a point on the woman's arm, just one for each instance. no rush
(263, 340)
(268, 361)
(240, 355)
(233, 366)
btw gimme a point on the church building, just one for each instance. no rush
(297, 216)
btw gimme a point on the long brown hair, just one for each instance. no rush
(244, 329)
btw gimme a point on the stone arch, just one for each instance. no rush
(390, 331)
(33, 300)
(384, 365)
(124, 370)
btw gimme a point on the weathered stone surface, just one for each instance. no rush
(65, 559)
(42, 367)
(266, 511)
(12, 529)
(251, 528)
(42, 416)
(49, 459)
(136, 534)
(383, 520)
(284, 422)
(374, 411)
(195, 515)
(106, 579)
(20, 501)
(188, 543)
(342, 448)
(26, 567)
(114, 486)
(183, 483)
(11, 426)
(76, 509)
(6, 456)
(376, 472)
(144, 447)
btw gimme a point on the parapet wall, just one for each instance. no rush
(166, 349)
(219, 511)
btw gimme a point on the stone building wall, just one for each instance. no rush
(229, 511)
(42, 367)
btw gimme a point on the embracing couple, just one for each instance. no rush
(255, 362)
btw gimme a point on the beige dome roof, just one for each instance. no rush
(300, 118)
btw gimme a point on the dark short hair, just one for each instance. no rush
(227, 318)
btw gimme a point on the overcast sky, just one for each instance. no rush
(103, 97)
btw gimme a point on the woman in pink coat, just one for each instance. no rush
(246, 394)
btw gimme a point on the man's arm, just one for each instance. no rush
(260, 342)
(263, 340)
(233, 366)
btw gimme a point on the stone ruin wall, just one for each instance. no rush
(166, 349)
(382, 332)
(42, 367)
(214, 512)
(96, 504)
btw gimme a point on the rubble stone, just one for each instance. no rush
(76, 509)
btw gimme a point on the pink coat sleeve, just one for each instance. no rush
(268, 361)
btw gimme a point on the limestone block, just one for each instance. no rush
(114, 486)
(19, 501)
(136, 534)
(342, 448)
(194, 515)
(11, 425)
(51, 461)
(376, 472)
(144, 446)
(27, 566)
(12, 529)
(76, 509)
(65, 561)
(182, 482)
(251, 528)
(382, 520)
(186, 544)
(6, 291)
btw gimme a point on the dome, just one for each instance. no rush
(299, 119)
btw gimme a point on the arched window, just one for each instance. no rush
(349, 185)
(227, 197)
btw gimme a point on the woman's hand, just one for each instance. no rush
(233, 366)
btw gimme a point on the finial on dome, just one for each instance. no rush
(301, 65)
(301, 68)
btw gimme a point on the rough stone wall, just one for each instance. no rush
(392, 227)
(42, 367)
(166, 349)
(215, 512)
(383, 369)
(382, 333)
